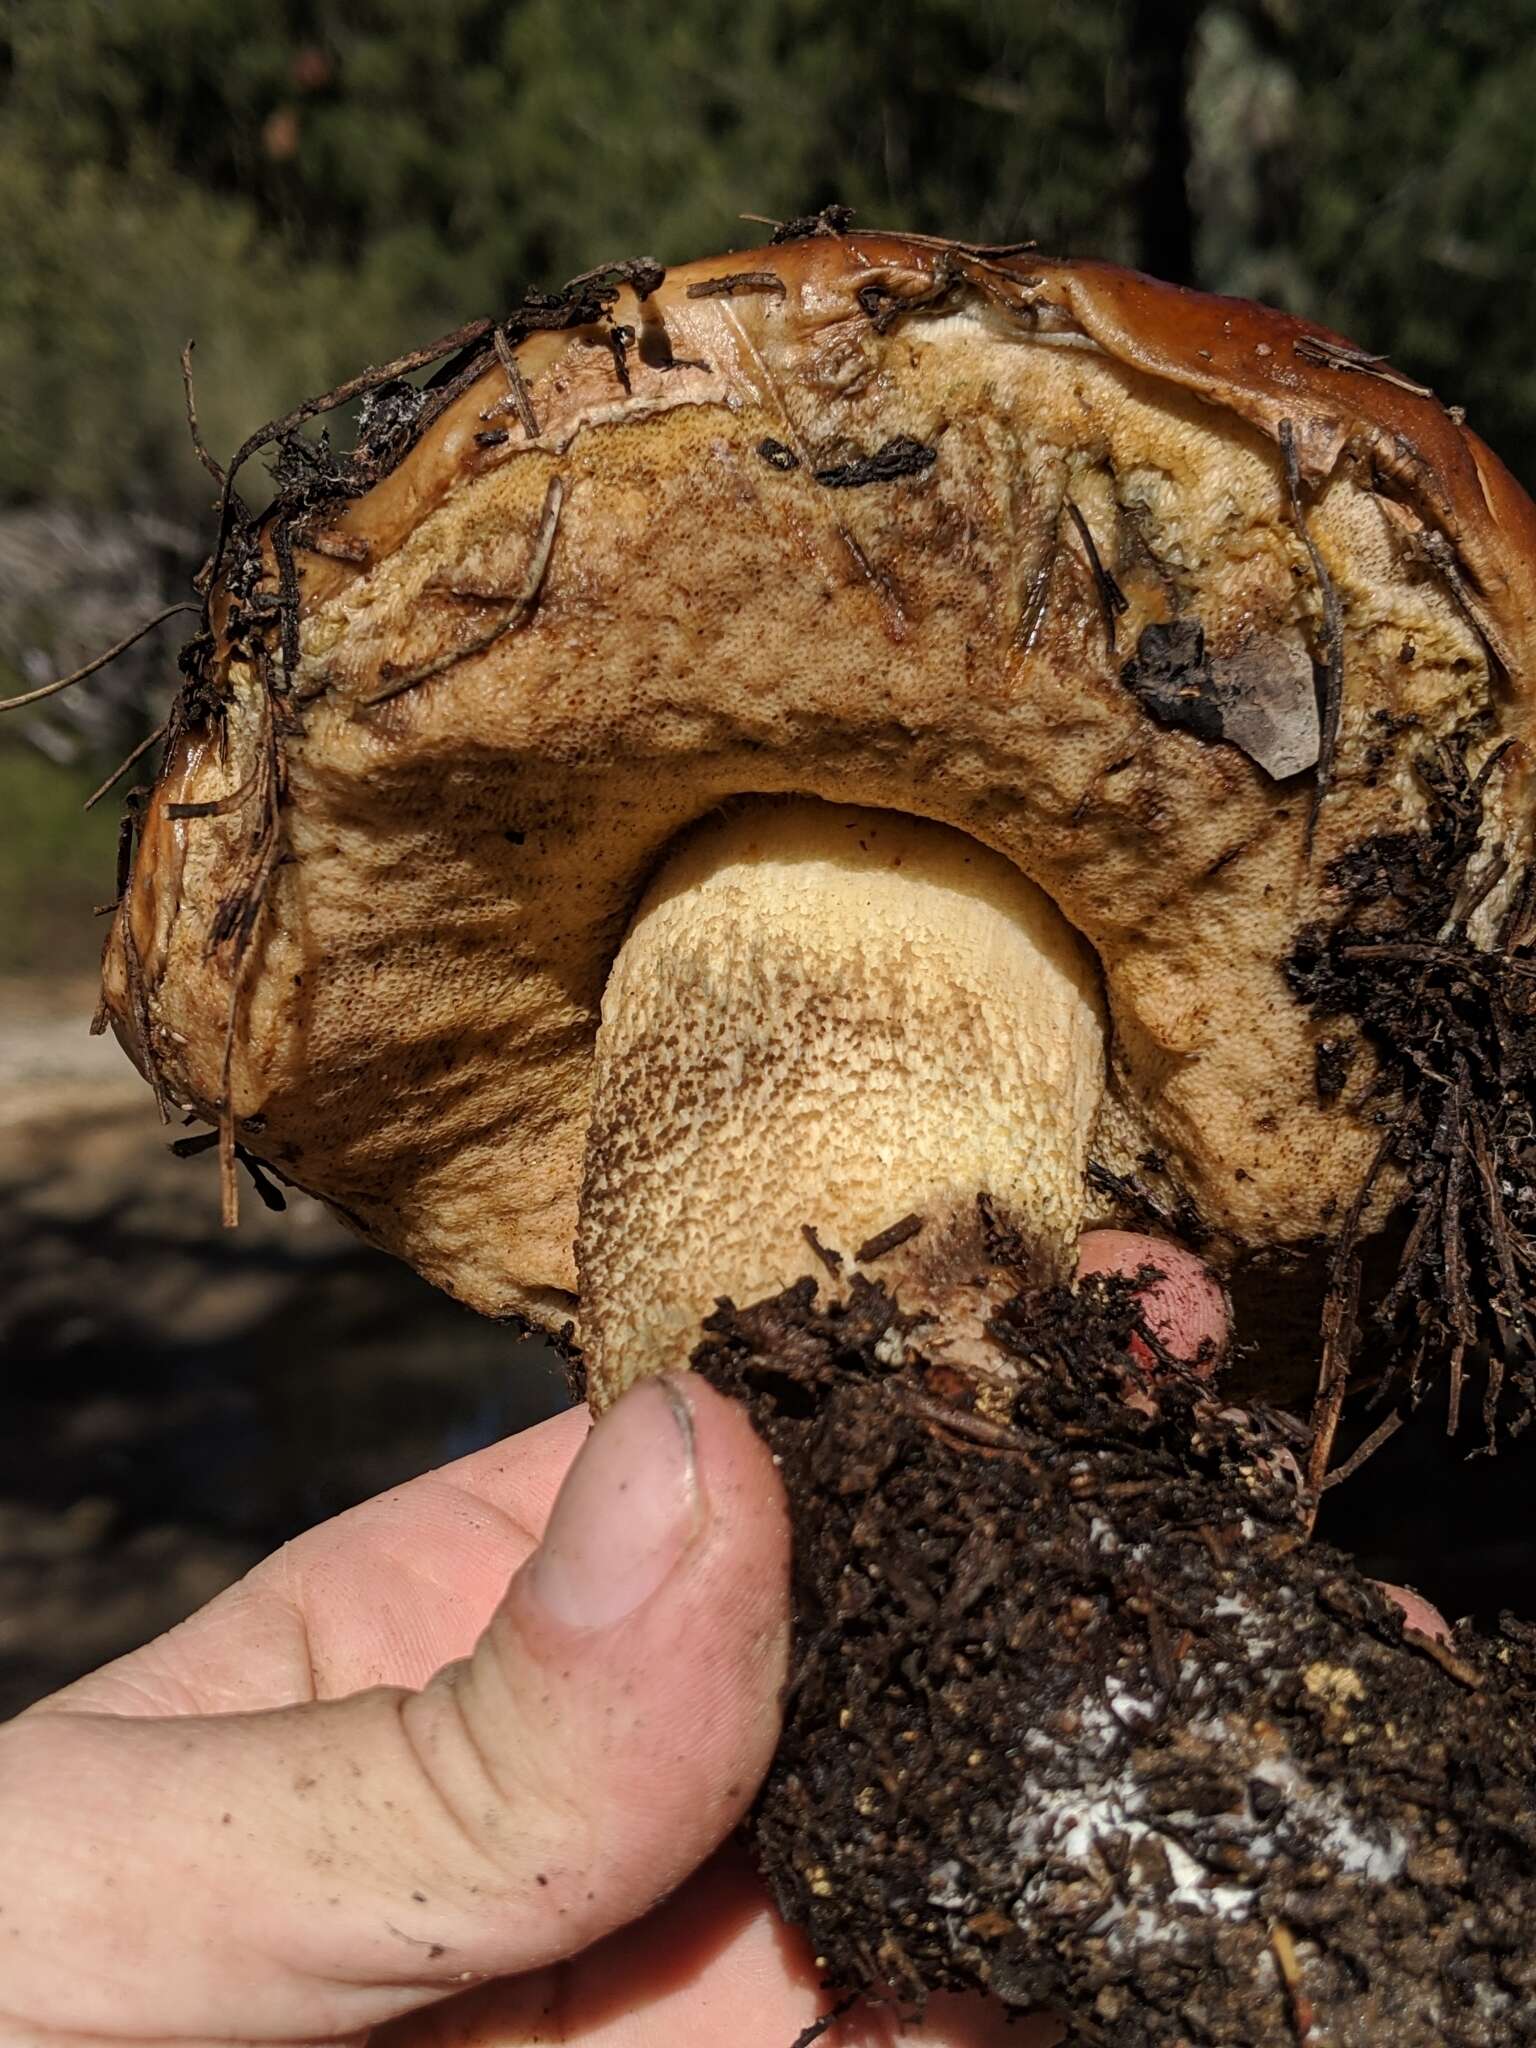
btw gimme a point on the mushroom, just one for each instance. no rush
(1140, 610)
(753, 758)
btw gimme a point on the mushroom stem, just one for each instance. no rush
(839, 1018)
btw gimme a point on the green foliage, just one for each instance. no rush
(1427, 230)
(317, 184)
(962, 116)
(323, 187)
(55, 865)
(1375, 166)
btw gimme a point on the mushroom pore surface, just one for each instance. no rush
(832, 1017)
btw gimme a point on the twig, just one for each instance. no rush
(1289, 1966)
(213, 468)
(123, 766)
(340, 394)
(960, 1422)
(643, 274)
(1464, 959)
(1513, 1310)
(518, 394)
(1111, 596)
(1035, 599)
(828, 220)
(833, 1261)
(617, 341)
(1458, 1380)
(189, 1148)
(737, 281)
(521, 608)
(238, 921)
(1340, 1329)
(1452, 1665)
(1490, 879)
(1334, 355)
(220, 806)
(979, 249)
(288, 594)
(1373, 1443)
(101, 661)
(1126, 1188)
(821, 2026)
(885, 1241)
(133, 970)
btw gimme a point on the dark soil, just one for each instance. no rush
(1078, 1717)
(1449, 1014)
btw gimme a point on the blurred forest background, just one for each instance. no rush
(317, 184)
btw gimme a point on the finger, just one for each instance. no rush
(385, 1594)
(1419, 1614)
(713, 1965)
(428, 1562)
(346, 1861)
(1185, 1306)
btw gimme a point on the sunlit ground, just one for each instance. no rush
(176, 1399)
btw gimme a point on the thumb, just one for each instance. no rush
(312, 1871)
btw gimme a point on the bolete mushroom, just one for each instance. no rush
(757, 754)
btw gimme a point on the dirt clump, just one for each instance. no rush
(1078, 1717)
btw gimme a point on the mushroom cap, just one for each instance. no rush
(998, 540)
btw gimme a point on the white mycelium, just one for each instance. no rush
(1101, 1839)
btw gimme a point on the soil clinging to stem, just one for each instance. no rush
(1078, 1716)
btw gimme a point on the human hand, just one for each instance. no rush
(259, 1829)
(277, 1825)
(224, 1839)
